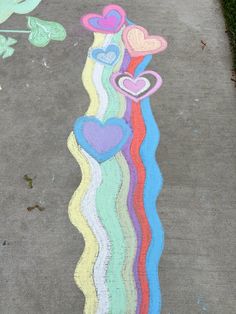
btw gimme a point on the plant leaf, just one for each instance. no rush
(8, 52)
(42, 32)
(11, 41)
(2, 41)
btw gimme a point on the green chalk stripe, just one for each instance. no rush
(106, 207)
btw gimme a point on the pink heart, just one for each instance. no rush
(112, 19)
(136, 88)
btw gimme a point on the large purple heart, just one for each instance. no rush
(112, 19)
(138, 87)
(101, 140)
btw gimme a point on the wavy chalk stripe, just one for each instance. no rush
(139, 131)
(129, 235)
(152, 188)
(106, 205)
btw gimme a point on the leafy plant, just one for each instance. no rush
(229, 9)
(5, 46)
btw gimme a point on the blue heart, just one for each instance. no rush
(108, 55)
(101, 140)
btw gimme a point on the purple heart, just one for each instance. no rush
(134, 85)
(101, 140)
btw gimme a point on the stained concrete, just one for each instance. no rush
(41, 96)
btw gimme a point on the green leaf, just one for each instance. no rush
(11, 41)
(6, 50)
(42, 32)
(8, 53)
(2, 41)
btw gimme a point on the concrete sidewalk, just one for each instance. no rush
(42, 94)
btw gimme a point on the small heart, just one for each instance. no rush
(101, 140)
(111, 20)
(136, 88)
(139, 43)
(106, 55)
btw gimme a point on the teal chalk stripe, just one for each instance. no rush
(106, 207)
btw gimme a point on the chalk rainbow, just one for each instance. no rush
(115, 143)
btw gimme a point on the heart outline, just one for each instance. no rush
(93, 53)
(136, 98)
(81, 140)
(111, 7)
(130, 42)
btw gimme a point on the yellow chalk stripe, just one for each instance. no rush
(84, 269)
